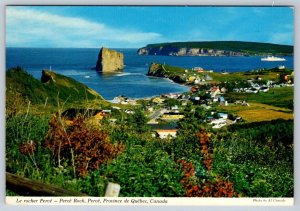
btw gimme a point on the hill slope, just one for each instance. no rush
(216, 48)
(52, 87)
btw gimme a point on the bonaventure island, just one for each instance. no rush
(229, 135)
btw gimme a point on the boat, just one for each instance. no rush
(272, 59)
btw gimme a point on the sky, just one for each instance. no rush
(135, 27)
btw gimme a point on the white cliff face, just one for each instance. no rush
(143, 51)
(110, 60)
(193, 51)
(174, 51)
(182, 51)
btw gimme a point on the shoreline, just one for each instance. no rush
(152, 96)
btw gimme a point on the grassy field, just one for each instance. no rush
(279, 97)
(258, 115)
(258, 112)
(239, 76)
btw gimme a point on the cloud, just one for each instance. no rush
(31, 28)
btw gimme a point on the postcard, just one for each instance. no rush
(149, 105)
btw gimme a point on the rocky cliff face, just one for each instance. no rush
(110, 60)
(165, 71)
(175, 51)
(46, 77)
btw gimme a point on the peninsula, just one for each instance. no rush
(215, 48)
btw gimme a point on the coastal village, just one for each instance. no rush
(206, 94)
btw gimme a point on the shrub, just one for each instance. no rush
(146, 172)
(258, 158)
(25, 133)
(214, 187)
(80, 146)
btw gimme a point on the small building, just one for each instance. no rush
(184, 102)
(264, 89)
(175, 108)
(191, 78)
(208, 78)
(258, 78)
(223, 90)
(197, 80)
(198, 68)
(223, 115)
(131, 102)
(205, 106)
(221, 99)
(165, 134)
(129, 111)
(269, 83)
(217, 121)
(172, 116)
(158, 100)
(194, 89)
(250, 80)
(150, 109)
(218, 126)
(214, 91)
(210, 119)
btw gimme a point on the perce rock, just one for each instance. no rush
(110, 60)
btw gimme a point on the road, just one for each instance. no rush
(156, 114)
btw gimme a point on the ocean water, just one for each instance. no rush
(132, 82)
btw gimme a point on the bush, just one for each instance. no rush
(80, 146)
(21, 130)
(145, 172)
(258, 158)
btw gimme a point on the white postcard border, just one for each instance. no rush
(149, 201)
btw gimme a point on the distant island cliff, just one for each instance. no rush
(109, 60)
(216, 48)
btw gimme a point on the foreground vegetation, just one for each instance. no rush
(243, 160)
(250, 161)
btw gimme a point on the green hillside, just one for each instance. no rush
(53, 87)
(238, 46)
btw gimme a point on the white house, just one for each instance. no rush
(223, 115)
(163, 134)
